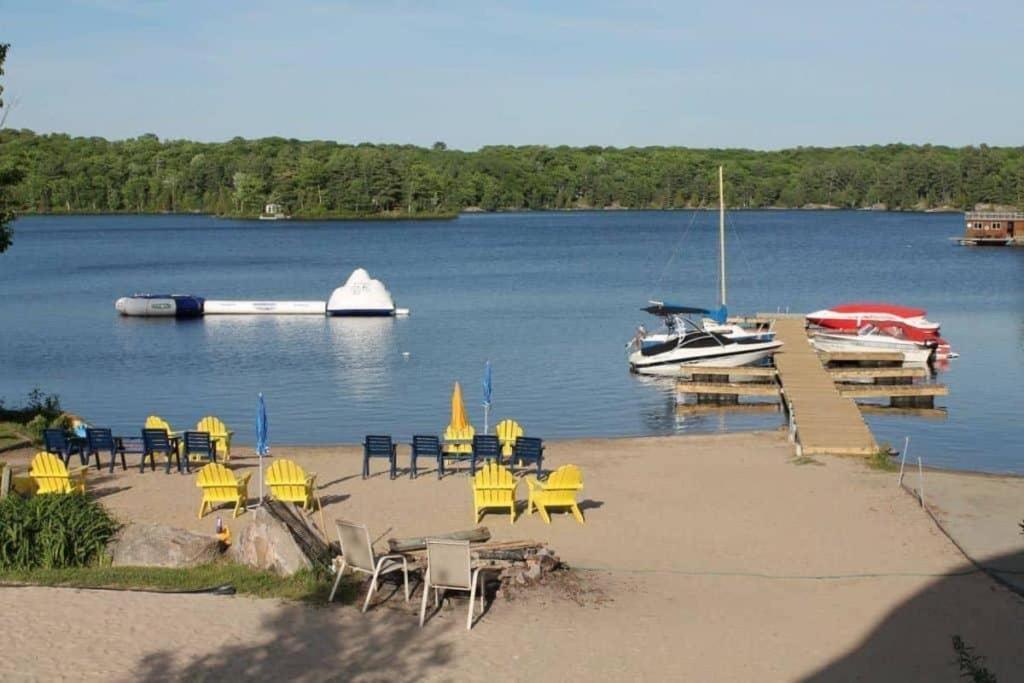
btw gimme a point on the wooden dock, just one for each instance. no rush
(825, 421)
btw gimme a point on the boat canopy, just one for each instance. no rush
(666, 309)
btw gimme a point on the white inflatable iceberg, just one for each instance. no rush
(361, 295)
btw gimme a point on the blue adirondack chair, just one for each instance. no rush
(199, 443)
(527, 449)
(427, 447)
(379, 446)
(157, 442)
(56, 442)
(485, 447)
(98, 439)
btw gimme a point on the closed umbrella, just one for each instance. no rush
(459, 420)
(487, 393)
(262, 438)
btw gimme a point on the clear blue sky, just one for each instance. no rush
(702, 74)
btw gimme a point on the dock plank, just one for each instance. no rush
(826, 422)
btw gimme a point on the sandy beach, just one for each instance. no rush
(703, 558)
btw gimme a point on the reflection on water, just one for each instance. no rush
(363, 354)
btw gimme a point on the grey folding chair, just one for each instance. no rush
(357, 553)
(449, 568)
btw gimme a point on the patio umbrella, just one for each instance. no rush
(262, 442)
(459, 420)
(487, 392)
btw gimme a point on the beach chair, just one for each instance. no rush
(219, 434)
(51, 475)
(527, 449)
(449, 567)
(485, 448)
(157, 442)
(290, 484)
(426, 447)
(198, 446)
(157, 422)
(99, 439)
(457, 444)
(55, 441)
(494, 487)
(379, 446)
(357, 554)
(508, 431)
(219, 485)
(558, 491)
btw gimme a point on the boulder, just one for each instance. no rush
(268, 543)
(155, 545)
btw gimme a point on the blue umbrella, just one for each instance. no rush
(487, 392)
(262, 442)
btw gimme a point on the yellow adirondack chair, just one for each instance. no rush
(459, 440)
(494, 487)
(52, 476)
(219, 485)
(219, 433)
(157, 422)
(558, 491)
(290, 484)
(508, 431)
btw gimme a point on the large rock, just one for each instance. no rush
(267, 543)
(155, 545)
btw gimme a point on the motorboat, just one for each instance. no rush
(870, 338)
(692, 345)
(853, 316)
(713, 341)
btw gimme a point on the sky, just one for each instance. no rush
(761, 75)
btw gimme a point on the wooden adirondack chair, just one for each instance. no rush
(458, 441)
(290, 484)
(494, 487)
(558, 491)
(219, 434)
(508, 431)
(219, 485)
(157, 422)
(51, 475)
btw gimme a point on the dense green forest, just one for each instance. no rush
(59, 173)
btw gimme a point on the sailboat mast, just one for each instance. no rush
(721, 234)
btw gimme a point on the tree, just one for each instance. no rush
(9, 174)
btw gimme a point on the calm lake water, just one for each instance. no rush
(549, 298)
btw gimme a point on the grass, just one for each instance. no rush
(304, 586)
(882, 461)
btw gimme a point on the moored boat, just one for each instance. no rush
(870, 338)
(852, 316)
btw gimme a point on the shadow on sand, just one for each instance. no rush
(915, 639)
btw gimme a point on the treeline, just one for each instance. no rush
(315, 178)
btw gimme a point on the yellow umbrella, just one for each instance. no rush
(459, 420)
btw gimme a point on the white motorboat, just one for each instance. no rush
(692, 345)
(869, 338)
(714, 341)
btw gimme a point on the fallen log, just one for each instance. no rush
(405, 545)
(513, 555)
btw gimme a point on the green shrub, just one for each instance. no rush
(52, 531)
(35, 428)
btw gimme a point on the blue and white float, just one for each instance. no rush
(361, 295)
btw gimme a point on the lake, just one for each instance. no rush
(549, 298)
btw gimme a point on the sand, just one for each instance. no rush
(703, 558)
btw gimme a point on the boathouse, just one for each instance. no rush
(995, 228)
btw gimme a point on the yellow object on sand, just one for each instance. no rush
(508, 431)
(219, 434)
(219, 485)
(494, 487)
(290, 484)
(52, 476)
(458, 436)
(558, 491)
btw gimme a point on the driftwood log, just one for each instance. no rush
(406, 545)
(309, 539)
